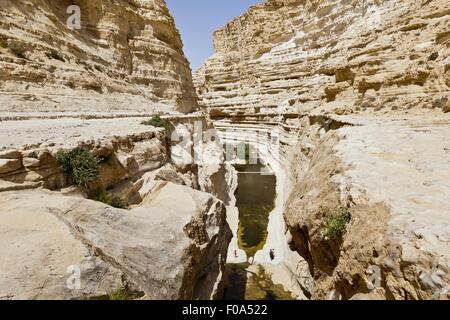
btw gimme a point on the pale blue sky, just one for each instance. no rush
(198, 19)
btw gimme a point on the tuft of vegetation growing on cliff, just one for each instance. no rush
(104, 197)
(54, 54)
(336, 223)
(121, 293)
(80, 164)
(157, 121)
(18, 48)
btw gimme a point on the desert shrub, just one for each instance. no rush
(118, 202)
(115, 201)
(3, 42)
(247, 148)
(18, 48)
(53, 54)
(121, 293)
(158, 122)
(336, 224)
(79, 163)
(102, 196)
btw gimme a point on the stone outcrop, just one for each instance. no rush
(167, 250)
(127, 57)
(346, 101)
(138, 150)
(341, 56)
(157, 248)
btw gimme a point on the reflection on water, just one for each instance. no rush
(244, 284)
(255, 199)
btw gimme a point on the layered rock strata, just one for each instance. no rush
(330, 55)
(345, 100)
(154, 247)
(127, 56)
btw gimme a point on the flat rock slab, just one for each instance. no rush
(172, 247)
(405, 164)
(40, 255)
(18, 133)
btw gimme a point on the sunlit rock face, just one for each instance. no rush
(347, 99)
(127, 56)
(332, 55)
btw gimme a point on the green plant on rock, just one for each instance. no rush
(102, 196)
(158, 122)
(54, 54)
(118, 202)
(120, 293)
(3, 42)
(79, 163)
(336, 224)
(113, 201)
(18, 48)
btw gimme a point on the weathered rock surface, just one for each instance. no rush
(330, 55)
(392, 175)
(126, 147)
(40, 254)
(168, 249)
(345, 101)
(127, 56)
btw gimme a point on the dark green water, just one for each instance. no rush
(255, 199)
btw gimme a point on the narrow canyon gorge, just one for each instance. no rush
(307, 159)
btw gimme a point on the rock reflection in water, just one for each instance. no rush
(255, 199)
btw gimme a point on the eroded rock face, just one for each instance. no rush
(171, 244)
(399, 209)
(123, 154)
(41, 258)
(354, 92)
(338, 56)
(126, 57)
(167, 249)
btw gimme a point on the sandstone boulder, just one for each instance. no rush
(172, 247)
(40, 254)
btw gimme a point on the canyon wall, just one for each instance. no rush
(120, 231)
(348, 101)
(126, 57)
(331, 55)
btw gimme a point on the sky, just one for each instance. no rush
(198, 19)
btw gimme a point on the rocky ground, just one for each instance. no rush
(126, 56)
(348, 102)
(356, 95)
(151, 247)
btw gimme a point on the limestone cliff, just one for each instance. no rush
(348, 101)
(127, 57)
(331, 55)
(146, 243)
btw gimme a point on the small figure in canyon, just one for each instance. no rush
(235, 254)
(272, 254)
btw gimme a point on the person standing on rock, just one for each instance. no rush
(272, 254)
